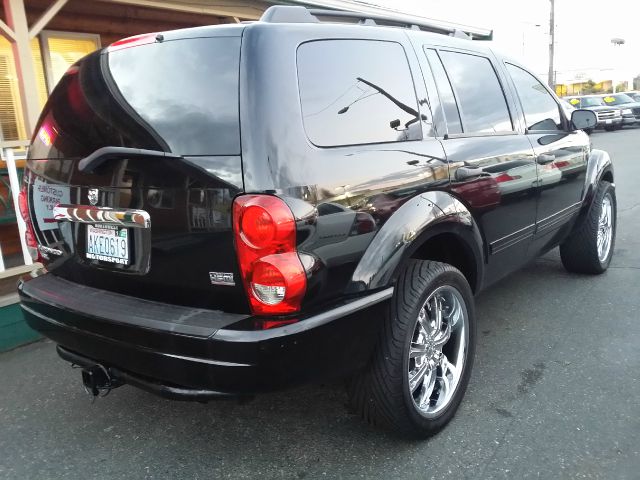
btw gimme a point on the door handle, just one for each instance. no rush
(465, 173)
(545, 158)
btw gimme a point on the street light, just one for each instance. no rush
(524, 31)
(616, 42)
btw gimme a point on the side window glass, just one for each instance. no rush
(541, 112)
(356, 92)
(481, 100)
(451, 114)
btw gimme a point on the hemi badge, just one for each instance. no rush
(222, 278)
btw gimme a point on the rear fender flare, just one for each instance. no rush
(419, 219)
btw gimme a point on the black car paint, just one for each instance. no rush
(335, 333)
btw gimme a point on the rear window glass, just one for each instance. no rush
(187, 90)
(357, 92)
(178, 96)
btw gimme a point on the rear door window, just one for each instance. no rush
(481, 100)
(355, 92)
(541, 111)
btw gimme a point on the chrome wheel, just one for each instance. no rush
(605, 228)
(438, 350)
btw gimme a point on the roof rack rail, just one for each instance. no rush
(299, 14)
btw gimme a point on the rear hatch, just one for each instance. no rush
(148, 128)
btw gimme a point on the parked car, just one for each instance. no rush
(635, 95)
(630, 107)
(204, 180)
(609, 118)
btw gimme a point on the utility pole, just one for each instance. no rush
(552, 44)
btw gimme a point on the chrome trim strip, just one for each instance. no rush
(559, 216)
(513, 238)
(111, 216)
(305, 324)
(205, 360)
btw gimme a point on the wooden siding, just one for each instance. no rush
(113, 21)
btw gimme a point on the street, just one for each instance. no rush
(554, 394)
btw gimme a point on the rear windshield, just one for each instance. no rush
(177, 96)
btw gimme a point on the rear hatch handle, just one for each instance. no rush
(104, 154)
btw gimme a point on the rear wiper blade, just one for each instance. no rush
(104, 154)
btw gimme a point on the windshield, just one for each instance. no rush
(592, 102)
(617, 99)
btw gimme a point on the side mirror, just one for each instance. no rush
(583, 119)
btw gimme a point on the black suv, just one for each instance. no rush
(227, 210)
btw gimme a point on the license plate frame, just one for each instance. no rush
(108, 244)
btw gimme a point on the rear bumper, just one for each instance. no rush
(178, 352)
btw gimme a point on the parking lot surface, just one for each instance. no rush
(554, 394)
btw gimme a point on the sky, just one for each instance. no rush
(584, 30)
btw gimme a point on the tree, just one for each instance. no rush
(590, 87)
(622, 87)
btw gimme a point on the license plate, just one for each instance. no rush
(108, 243)
(608, 121)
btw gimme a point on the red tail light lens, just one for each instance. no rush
(29, 234)
(265, 234)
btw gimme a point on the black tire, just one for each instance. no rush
(579, 252)
(609, 128)
(588, 131)
(381, 394)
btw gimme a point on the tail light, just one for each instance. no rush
(363, 223)
(265, 236)
(29, 233)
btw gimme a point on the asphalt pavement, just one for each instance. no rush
(555, 394)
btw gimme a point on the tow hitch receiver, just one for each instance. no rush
(98, 381)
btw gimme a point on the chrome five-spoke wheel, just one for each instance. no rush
(438, 349)
(605, 228)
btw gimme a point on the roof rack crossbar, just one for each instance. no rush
(299, 14)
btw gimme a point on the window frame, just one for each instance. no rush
(419, 107)
(563, 117)
(501, 83)
(45, 53)
(437, 90)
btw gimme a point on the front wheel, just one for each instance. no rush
(589, 248)
(424, 357)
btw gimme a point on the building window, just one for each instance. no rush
(11, 119)
(52, 54)
(60, 50)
